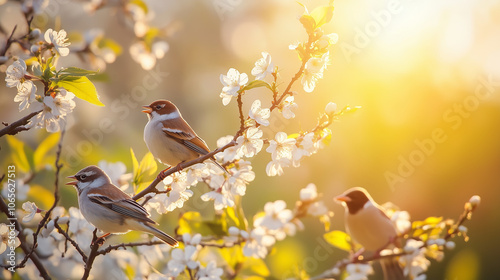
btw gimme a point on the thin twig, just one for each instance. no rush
(9, 41)
(18, 125)
(94, 247)
(68, 238)
(56, 199)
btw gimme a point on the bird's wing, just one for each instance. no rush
(113, 198)
(180, 130)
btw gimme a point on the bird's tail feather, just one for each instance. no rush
(218, 165)
(392, 270)
(163, 236)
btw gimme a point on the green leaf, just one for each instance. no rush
(41, 157)
(147, 166)
(77, 72)
(231, 214)
(150, 36)
(83, 88)
(322, 15)
(18, 154)
(192, 222)
(141, 4)
(255, 84)
(338, 239)
(110, 44)
(255, 267)
(135, 167)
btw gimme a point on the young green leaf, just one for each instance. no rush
(338, 239)
(83, 88)
(255, 84)
(19, 157)
(41, 157)
(110, 44)
(76, 72)
(322, 15)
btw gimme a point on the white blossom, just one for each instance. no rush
(314, 71)
(58, 40)
(22, 190)
(263, 66)
(257, 243)
(222, 198)
(260, 115)
(230, 153)
(475, 200)
(80, 227)
(241, 177)
(330, 108)
(116, 172)
(358, 271)
(62, 104)
(308, 193)
(401, 220)
(276, 216)
(275, 167)
(4, 236)
(31, 209)
(250, 143)
(179, 194)
(191, 240)
(210, 272)
(14, 76)
(232, 83)
(182, 259)
(288, 106)
(281, 147)
(26, 95)
(414, 262)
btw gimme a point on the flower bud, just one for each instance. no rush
(35, 48)
(462, 229)
(450, 245)
(35, 33)
(330, 108)
(234, 231)
(335, 271)
(475, 200)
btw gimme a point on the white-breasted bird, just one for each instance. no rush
(367, 223)
(109, 209)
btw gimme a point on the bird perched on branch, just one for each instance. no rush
(170, 138)
(109, 209)
(367, 223)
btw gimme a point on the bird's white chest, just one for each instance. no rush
(370, 228)
(164, 148)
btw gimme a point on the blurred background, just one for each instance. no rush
(426, 73)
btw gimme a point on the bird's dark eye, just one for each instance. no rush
(83, 176)
(158, 107)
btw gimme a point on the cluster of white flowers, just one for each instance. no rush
(186, 258)
(54, 106)
(274, 224)
(315, 207)
(144, 53)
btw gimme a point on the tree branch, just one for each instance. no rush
(18, 125)
(152, 187)
(68, 238)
